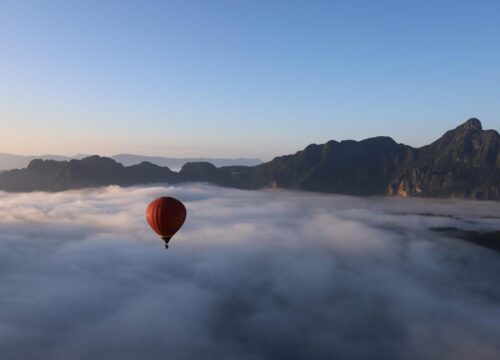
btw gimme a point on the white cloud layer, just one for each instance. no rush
(251, 275)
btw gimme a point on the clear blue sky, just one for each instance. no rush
(241, 78)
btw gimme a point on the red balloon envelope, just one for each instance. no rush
(166, 215)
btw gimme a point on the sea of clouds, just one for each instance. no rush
(252, 275)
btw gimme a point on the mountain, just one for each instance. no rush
(12, 161)
(346, 167)
(464, 162)
(177, 163)
(52, 175)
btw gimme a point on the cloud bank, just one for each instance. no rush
(251, 275)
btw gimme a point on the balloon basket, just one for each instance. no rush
(166, 239)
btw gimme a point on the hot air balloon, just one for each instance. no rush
(166, 215)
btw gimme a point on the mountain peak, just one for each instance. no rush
(471, 127)
(471, 124)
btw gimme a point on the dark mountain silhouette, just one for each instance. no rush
(464, 162)
(51, 175)
(12, 161)
(177, 163)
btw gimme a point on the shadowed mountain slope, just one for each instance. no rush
(51, 175)
(464, 162)
(12, 161)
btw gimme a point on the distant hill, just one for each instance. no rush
(464, 163)
(52, 175)
(12, 161)
(178, 163)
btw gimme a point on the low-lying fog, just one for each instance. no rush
(251, 275)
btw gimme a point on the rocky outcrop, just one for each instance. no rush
(464, 162)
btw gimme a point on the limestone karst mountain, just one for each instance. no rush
(464, 162)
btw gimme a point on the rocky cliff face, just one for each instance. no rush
(464, 162)
(347, 167)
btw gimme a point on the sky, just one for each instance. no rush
(252, 275)
(241, 78)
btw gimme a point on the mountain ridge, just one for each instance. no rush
(12, 161)
(464, 162)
